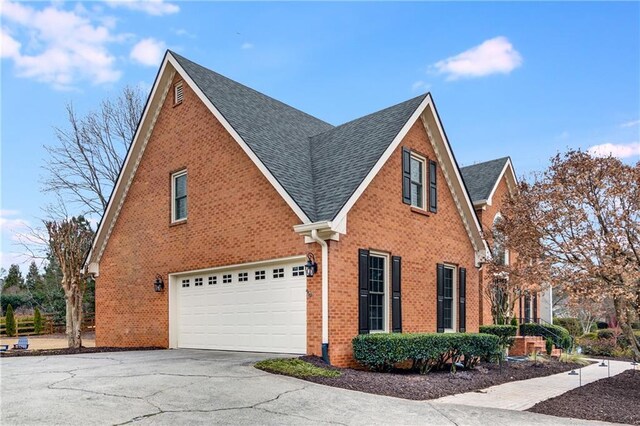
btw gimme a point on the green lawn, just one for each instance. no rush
(295, 367)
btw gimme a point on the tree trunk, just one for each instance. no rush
(622, 313)
(74, 319)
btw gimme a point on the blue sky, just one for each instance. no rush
(518, 79)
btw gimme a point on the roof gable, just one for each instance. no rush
(482, 178)
(277, 133)
(343, 156)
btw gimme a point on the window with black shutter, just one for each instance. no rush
(462, 300)
(433, 187)
(363, 292)
(440, 298)
(396, 294)
(406, 176)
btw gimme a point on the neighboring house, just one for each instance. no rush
(224, 193)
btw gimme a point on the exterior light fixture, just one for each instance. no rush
(158, 284)
(311, 267)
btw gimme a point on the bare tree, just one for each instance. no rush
(83, 166)
(578, 227)
(69, 242)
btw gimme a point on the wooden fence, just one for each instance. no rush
(25, 325)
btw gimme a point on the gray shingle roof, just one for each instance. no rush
(319, 165)
(343, 156)
(481, 178)
(277, 133)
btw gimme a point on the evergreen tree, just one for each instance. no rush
(10, 322)
(38, 323)
(33, 279)
(14, 277)
(50, 295)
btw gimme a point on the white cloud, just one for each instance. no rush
(420, 86)
(494, 56)
(148, 52)
(246, 45)
(632, 123)
(150, 7)
(620, 150)
(60, 47)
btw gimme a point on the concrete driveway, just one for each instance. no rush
(193, 386)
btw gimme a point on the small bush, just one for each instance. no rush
(295, 367)
(607, 333)
(548, 345)
(506, 333)
(560, 336)
(426, 351)
(10, 322)
(38, 323)
(571, 324)
(597, 347)
(514, 321)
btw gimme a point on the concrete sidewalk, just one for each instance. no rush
(524, 394)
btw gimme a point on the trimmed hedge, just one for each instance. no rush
(560, 335)
(506, 333)
(426, 351)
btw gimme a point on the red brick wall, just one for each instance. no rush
(380, 221)
(234, 216)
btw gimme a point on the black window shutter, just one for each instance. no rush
(535, 307)
(406, 176)
(433, 187)
(462, 300)
(440, 308)
(396, 298)
(363, 280)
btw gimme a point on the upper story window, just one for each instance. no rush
(179, 196)
(178, 93)
(417, 181)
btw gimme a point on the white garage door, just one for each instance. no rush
(255, 308)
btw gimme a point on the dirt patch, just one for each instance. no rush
(614, 399)
(436, 384)
(68, 351)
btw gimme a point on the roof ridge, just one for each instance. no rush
(250, 88)
(424, 95)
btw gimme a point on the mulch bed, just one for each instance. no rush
(615, 399)
(71, 351)
(436, 384)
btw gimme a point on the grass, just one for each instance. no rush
(575, 358)
(294, 367)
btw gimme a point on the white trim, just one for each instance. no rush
(265, 171)
(161, 88)
(512, 184)
(454, 296)
(387, 294)
(258, 263)
(423, 161)
(175, 176)
(382, 160)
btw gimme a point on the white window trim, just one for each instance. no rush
(387, 295)
(174, 177)
(454, 302)
(423, 164)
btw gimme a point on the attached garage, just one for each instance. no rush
(260, 307)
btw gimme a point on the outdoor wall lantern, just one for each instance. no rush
(311, 267)
(158, 284)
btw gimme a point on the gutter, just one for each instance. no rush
(325, 293)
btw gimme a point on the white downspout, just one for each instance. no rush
(325, 293)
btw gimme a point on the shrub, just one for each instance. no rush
(548, 345)
(10, 322)
(506, 333)
(597, 347)
(426, 351)
(571, 324)
(560, 336)
(607, 333)
(38, 323)
(15, 300)
(635, 325)
(514, 321)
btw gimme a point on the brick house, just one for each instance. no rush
(226, 194)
